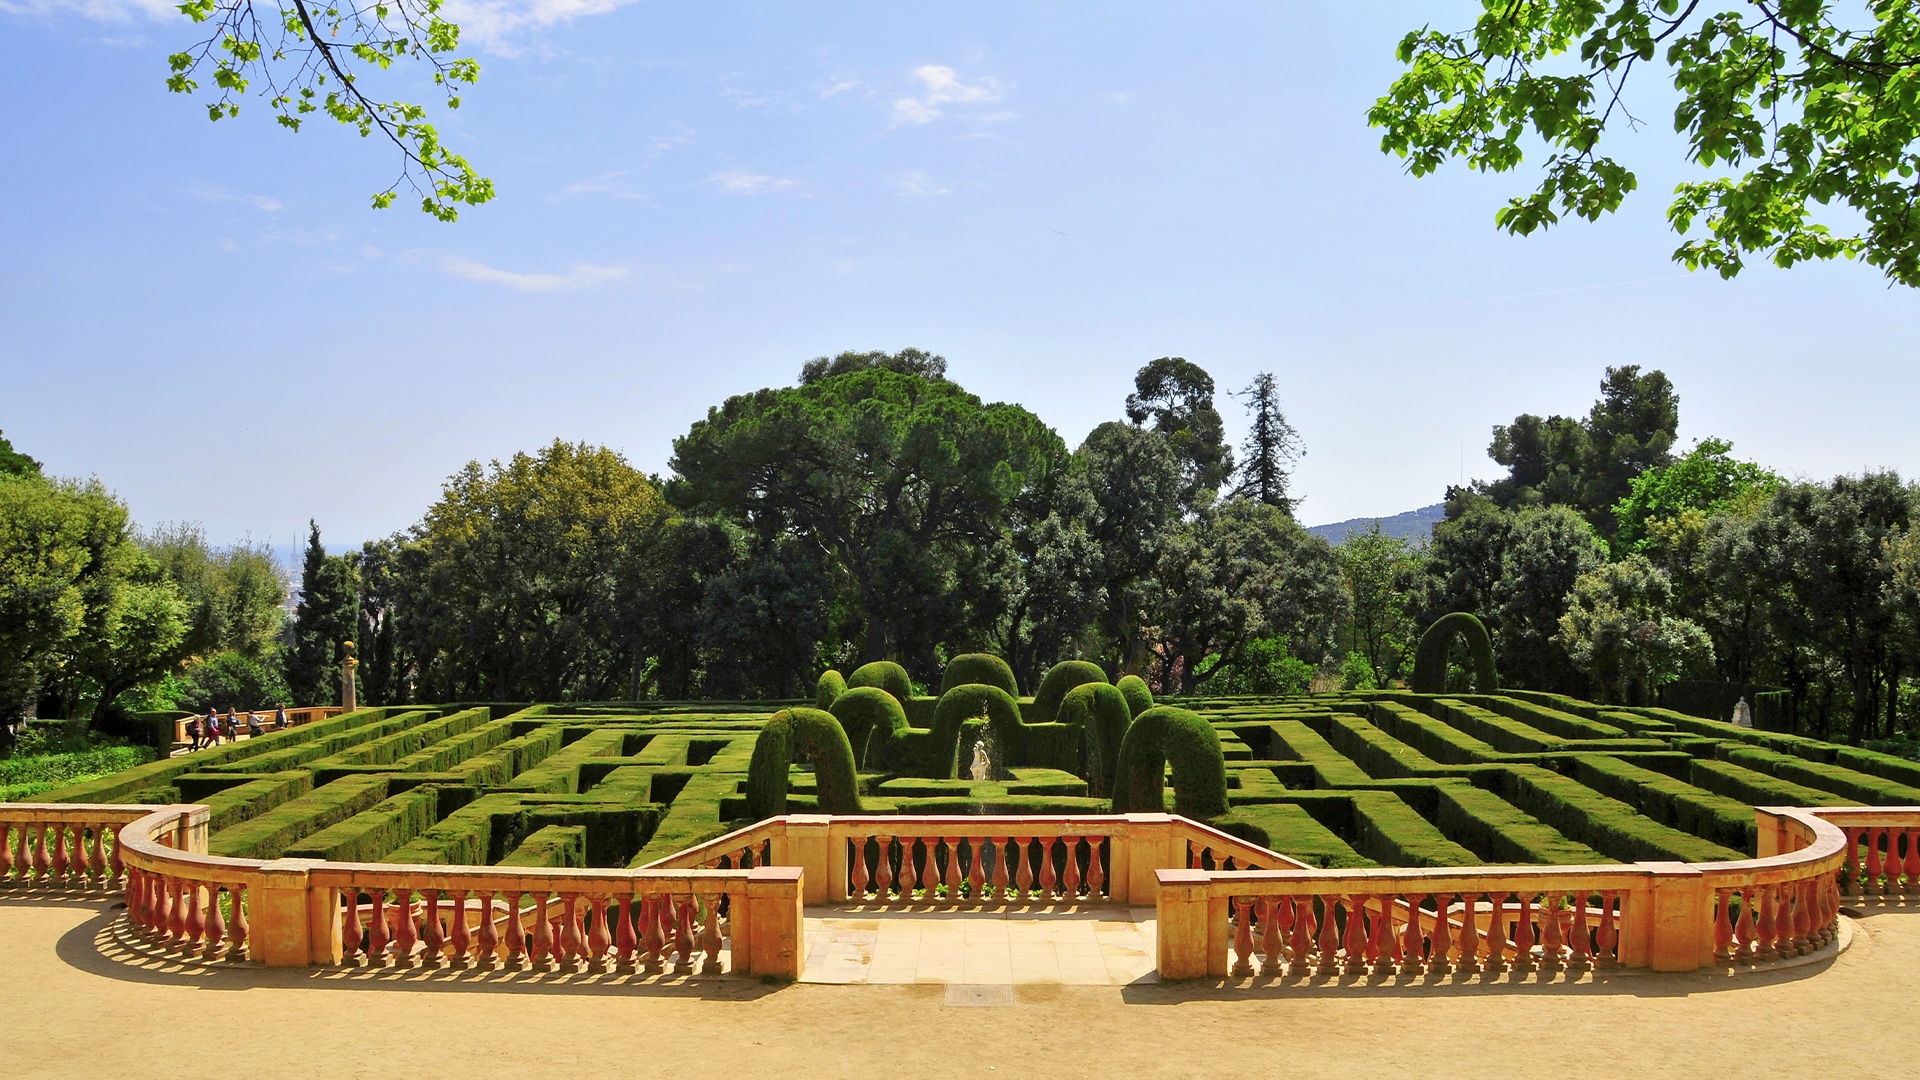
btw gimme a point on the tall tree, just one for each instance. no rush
(1379, 572)
(1272, 447)
(1176, 395)
(1547, 552)
(889, 474)
(326, 616)
(1793, 107)
(1621, 631)
(1588, 463)
(1705, 481)
(14, 463)
(1135, 483)
(907, 362)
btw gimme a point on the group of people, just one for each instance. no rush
(208, 731)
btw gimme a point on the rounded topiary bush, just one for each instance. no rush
(1101, 713)
(868, 712)
(884, 674)
(1430, 659)
(973, 701)
(1138, 694)
(1059, 679)
(811, 734)
(828, 690)
(1164, 736)
(985, 669)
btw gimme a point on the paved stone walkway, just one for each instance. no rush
(1069, 945)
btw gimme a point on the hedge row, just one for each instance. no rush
(1605, 824)
(53, 769)
(377, 830)
(269, 835)
(1498, 832)
(1295, 741)
(559, 774)
(467, 836)
(1756, 788)
(249, 799)
(1392, 833)
(1379, 753)
(1860, 788)
(1553, 721)
(321, 745)
(1165, 739)
(551, 845)
(1724, 821)
(1436, 739)
(1290, 830)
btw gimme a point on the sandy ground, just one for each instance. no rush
(80, 998)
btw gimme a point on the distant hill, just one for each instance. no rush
(1413, 526)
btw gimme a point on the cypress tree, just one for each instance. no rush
(325, 617)
(1271, 448)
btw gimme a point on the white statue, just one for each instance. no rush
(1742, 714)
(982, 767)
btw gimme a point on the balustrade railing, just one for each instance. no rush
(70, 844)
(295, 717)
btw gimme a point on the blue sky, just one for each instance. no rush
(696, 198)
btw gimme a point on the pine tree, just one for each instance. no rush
(1271, 448)
(325, 617)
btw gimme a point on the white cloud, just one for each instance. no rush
(943, 87)
(109, 11)
(608, 185)
(742, 182)
(580, 277)
(837, 84)
(916, 185)
(210, 193)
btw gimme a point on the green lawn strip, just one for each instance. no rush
(269, 835)
(1255, 784)
(1290, 830)
(1605, 824)
(379, 829)
(551, 845)
(1717, 818)
(1757, 788)
(120, 786)
(1295, 741)
(1499, 832)
(1846, 783)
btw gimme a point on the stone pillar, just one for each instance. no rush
(280, 920)
(1152, 845)
(1680, 922)
(1181, 930)
(1771, 833)
(810, 847)
(776, 921)
(349, 690)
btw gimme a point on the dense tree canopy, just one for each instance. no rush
(1791, 107)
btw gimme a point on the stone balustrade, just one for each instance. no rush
(63, 844)
(295, 718)
(296, 912)
(1663, 916)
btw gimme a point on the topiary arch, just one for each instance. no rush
(886, 675)
(828, 690)
(1164, 736)
(1430, 660)
(983, 668)
(1059, 679)
(1101, 713)
(863, 710)
(818, 737)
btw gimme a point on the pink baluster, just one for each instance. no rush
(1552, 947)
(7, 858)
(683, 938)
(1096, 874)
(1047, 877)
(953, 871)
(1356, 935)
(1913, 859)
(1242, 936)
(1330, 932)
(378, 930)
(1300, 950)
(1023, 870)
(114, 866)
(652, 940)
(1853, 862)
(599, 940)
(459, 937)
(976, 870)
(1746, 931)
(858, 875)
(909, 870)
(1440, 942)
(573, 947)
(237, 949)
(77, 855)
(1000, 878)
(216, 925)
(350, 924)
(710, 938)
(882, 870)
(139, 901)
(1381, 943)
(1803, 917)
(1469, 942)
(1768, 924)
(1272, 934)
(542, 932)
(1605, 938)
(487, 935)
(623, 940)
(1070, 880)
(407, 935)
(195, 924)
(96, 860)
(1872, 883)
(1723, 926)
(1412, 956)
(1497, 932)
(166, 919)
(432, 937)
(57, 864)
(1523, 932)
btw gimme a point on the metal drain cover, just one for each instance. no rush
(967, 996)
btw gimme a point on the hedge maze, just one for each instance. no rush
(1376, 778)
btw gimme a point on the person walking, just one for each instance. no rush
(254, 730)
(193, 732)
(232, 727)
(280, 717)
(210, 734)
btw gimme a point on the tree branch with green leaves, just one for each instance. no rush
(304, 59)
(1796, 108)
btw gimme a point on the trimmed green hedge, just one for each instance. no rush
(53, 769)
(375, 831)
(1102, 714)
(1436, 739)
(1138, 694)
(1295, 741)
(248, 799)
(551, 845)
(984, 668)
(1857, 787)
(1723, 821)
(864, 711)
(1291, 831)
(272, 833)
(1499, 832)
(1165, 736)
(828, 690)
(1606, 824)
(1059, 679)
(884, 674)
(815, 735)
(1392, 833)
(1430, 656)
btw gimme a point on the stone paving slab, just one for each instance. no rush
(1069, 945)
